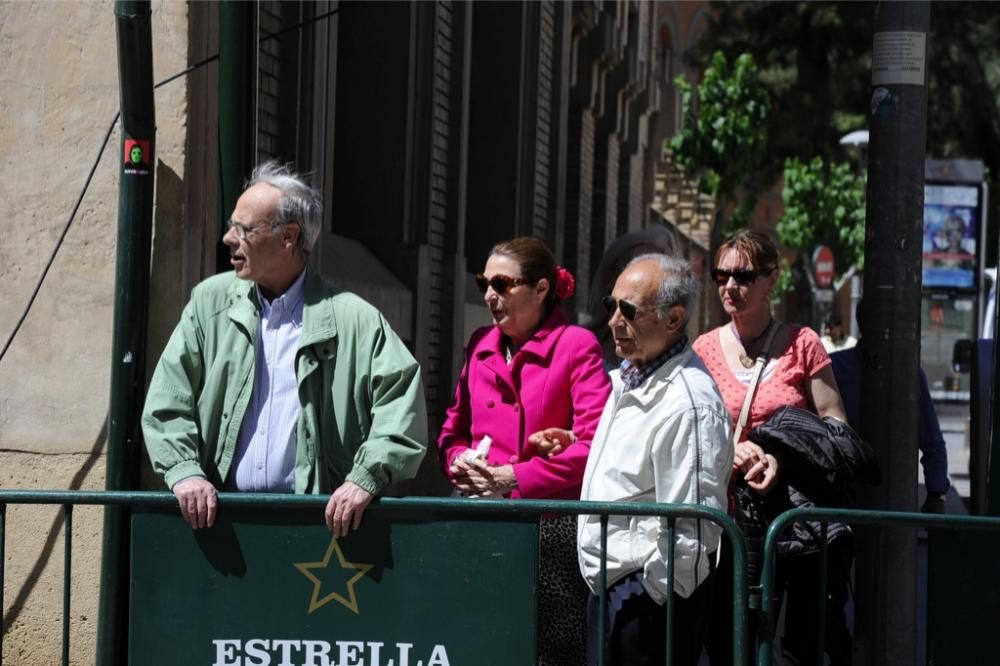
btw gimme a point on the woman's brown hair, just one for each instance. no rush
(754, 245)
(536, 261)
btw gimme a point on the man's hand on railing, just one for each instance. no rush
(198, 499)
(344, 510)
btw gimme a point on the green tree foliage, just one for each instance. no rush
(725, 133)
(824, 205)
(815, 59)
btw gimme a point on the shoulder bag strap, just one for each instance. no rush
(759, 364)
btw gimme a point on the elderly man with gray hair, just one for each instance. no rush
(664, 436)
(275, 381)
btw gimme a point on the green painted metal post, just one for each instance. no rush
(741, 639)
(668, 649)
(67, 579)
(993, 438)
(237, 108)
(3, 538)
(602, 618)
(135, 214)
(824, 553)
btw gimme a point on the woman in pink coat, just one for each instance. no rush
(530, 372)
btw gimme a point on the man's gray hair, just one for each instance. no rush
(299, 201)
(679, 285)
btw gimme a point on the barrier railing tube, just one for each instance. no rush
(765, 651)
(123, 500)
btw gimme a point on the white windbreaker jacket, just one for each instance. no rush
(667, 440)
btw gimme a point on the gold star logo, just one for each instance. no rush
(350, 601)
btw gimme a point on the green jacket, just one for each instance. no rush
(363, 415)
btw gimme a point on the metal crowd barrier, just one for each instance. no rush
(881, 519)
(483, 507)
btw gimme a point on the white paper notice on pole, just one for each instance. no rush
(899, 57)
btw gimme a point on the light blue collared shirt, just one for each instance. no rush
(265, 450)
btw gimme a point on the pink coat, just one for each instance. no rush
(547, 385)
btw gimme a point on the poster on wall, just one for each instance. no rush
(951, 232)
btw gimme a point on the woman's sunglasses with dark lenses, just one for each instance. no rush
(501, 283)
(629, 310)
(743, 278)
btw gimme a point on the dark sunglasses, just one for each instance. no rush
(629, 310)
(501, 283)
(743, 278)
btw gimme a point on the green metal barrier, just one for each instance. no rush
(881, 519)
(291, 521)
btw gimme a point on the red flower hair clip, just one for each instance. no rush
(565, 283)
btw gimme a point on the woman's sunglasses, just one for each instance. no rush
(501, 283)
(743, 278)
(629, 310)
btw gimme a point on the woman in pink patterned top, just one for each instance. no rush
(797, 373)
(798, 370)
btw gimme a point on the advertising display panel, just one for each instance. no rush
(952, 215)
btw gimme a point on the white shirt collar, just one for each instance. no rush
(288, 300)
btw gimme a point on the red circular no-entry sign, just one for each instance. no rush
(823, 266)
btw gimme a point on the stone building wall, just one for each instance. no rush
(58, 95)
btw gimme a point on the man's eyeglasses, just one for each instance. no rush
(501, 283)
(629, 310)
(244, 231)
(743, 278)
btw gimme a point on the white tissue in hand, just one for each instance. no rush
(481, 451)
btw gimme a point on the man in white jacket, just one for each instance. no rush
(664, 436)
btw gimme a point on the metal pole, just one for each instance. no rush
(237, 109)
(135, 214)
(67, 579)
(891, 326)
(3, 559)
(821, 596)
(602, 608)
(669, 602)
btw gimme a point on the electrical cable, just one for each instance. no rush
(62, 237)
(185, 72)
(97, 161)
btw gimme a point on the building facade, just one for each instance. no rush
(434, 129)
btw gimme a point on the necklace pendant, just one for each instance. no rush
(746, 361)
(508, 353)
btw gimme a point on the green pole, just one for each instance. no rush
(136, 160)
(237, 109)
